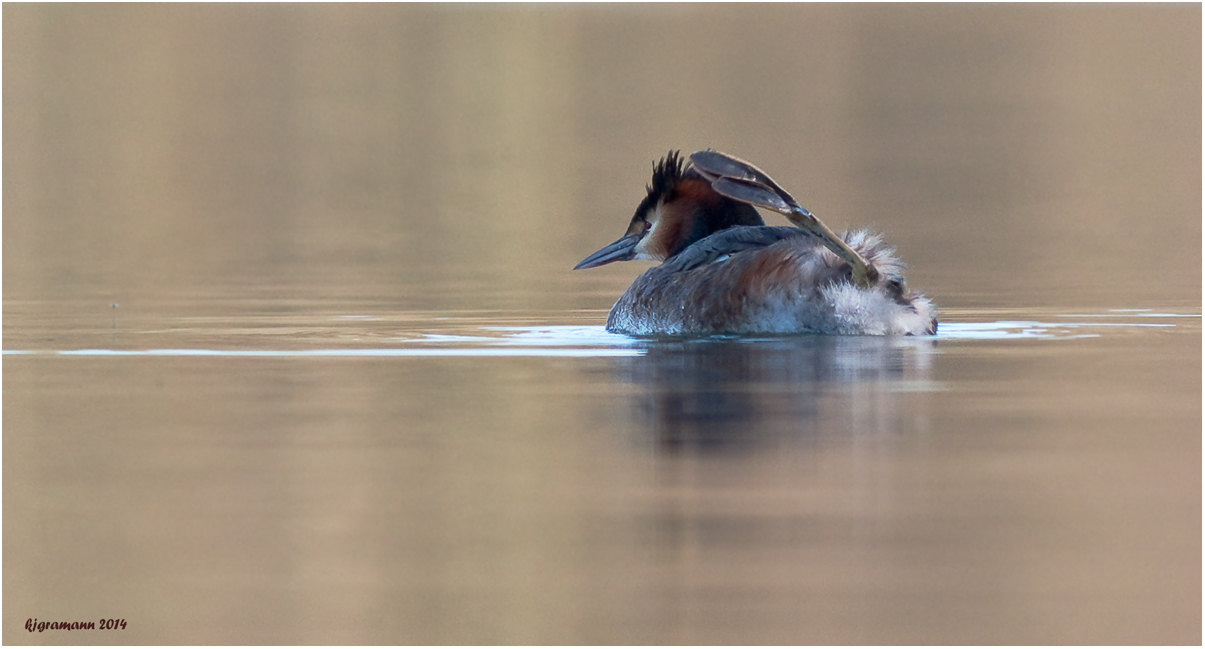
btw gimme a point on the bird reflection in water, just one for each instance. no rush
(726, 395)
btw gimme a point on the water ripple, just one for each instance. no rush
(487, 340)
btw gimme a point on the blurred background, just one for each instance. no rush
(247, 177)
(457, 152)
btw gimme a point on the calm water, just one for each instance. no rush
(292, 351)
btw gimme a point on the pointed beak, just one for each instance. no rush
(621, 250)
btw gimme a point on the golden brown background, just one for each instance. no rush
(257, 177)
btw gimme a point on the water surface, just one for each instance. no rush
(292, 351)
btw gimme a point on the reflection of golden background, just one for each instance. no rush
(1035, 154)
(262, 167)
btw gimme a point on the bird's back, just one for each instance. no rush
(770, 280)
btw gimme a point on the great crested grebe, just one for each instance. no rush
(724, 271)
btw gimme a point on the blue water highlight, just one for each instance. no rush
(596, 341)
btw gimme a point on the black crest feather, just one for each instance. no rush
(666, 175)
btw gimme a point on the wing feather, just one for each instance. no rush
(729, 242)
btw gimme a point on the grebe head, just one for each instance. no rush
(680, 208)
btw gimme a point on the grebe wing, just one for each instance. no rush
(728, 242)
(742, 181)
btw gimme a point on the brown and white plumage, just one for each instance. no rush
(724, 271)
